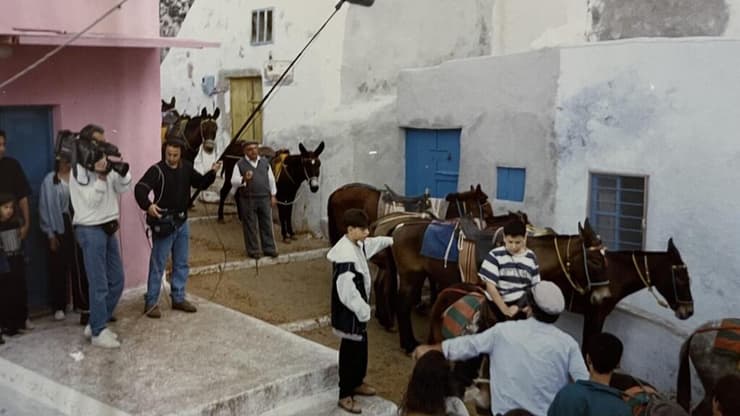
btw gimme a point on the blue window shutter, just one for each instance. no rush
(502, 183)
(516, 179)
(510, 184)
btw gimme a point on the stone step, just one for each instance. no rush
(216, 361)
(13, 403)
(325, 404)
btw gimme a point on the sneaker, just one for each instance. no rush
(88, 332)
(106, 339)
(184, 306)
(153, 312)
(59, 315)
(29, 325)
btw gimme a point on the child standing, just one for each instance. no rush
(13, 303)
(350, 304)
(510, 270)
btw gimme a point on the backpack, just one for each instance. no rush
(646, 401)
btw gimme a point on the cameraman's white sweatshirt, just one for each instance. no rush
(95, 201)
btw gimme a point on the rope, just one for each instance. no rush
(646, 280)
(572, 282)
(60, 47)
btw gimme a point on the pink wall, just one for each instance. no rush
(116, 88)
(135, 18)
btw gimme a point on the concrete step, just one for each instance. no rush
(214, 362)
(325, 404)
(13, 403)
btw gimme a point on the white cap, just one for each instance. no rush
(548, 297)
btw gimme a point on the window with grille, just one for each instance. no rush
(617, 210)
(261, 26)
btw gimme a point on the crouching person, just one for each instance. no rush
(170, 181)
(350, 304)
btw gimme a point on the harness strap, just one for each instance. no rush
(646, 279)
(578, 288)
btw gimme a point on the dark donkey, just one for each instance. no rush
(195, 131)
(631, 271)
(576, 263)
(367, 198)
(295, 169)
(473, 202)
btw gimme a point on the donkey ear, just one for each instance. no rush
(302, 148)
(319, 149)
(172, 101)
(580, 229)
(203, 113)
(471, 188)
(671, 246)
(477, 188)
(216, 113)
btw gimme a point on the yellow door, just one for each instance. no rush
(246, 93)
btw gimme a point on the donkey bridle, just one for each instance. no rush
(565, 267)
(649, 284)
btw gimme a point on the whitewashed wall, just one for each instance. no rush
(668, 110)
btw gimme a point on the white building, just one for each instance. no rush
(657, 116)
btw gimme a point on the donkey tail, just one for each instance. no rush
(683, 384)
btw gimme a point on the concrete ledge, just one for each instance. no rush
(265, 261)
(325, 404)
(214, 362)
(48, 398)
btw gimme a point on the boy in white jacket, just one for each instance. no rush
(350, 304)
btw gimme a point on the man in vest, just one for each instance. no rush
(255, 195)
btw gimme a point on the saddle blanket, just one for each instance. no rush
(462, 317)
(727, 341)
(437, 241)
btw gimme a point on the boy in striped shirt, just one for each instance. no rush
(510, 270)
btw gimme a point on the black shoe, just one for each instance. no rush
(273, 255)
(113, 319)
(84, 317)
(254, 256)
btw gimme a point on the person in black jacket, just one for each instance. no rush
(170, 181)
(350, 304)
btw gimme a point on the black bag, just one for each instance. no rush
(110, 227)
(161, 227)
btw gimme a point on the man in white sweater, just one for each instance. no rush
(94, 195)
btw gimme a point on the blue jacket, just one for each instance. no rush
(51, 219)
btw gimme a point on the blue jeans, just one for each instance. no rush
(178, 244)
(102, 257)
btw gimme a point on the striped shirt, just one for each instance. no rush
(511, 274)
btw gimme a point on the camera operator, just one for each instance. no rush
(170, 181)
(94, 189)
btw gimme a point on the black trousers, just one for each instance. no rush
(14, 296)
(67, 272)
(352, 365)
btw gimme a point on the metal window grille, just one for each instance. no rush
(617, 210)
(261, 27)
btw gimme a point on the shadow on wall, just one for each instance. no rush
(623, 19)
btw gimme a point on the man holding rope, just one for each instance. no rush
(255, 196)
(170, 181)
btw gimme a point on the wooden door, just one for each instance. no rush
(246, 93)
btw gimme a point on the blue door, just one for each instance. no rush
(30, 141)
(432, 161)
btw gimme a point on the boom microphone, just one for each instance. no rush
(366, 3)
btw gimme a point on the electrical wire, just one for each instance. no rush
(56, 50)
